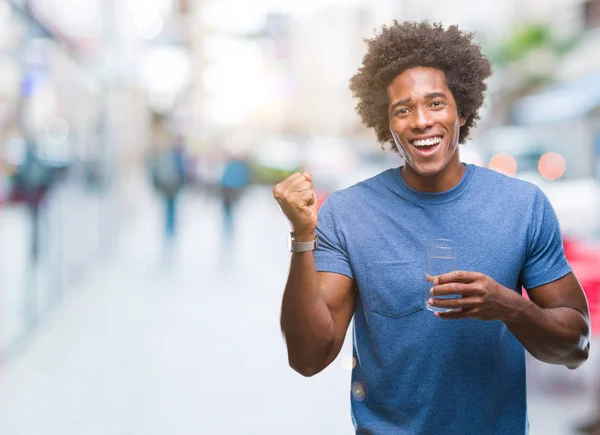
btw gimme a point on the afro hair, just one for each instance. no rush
(406, 45)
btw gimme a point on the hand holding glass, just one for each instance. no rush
(442, 257)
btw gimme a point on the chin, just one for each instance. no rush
(429, 169)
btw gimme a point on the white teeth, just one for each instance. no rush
(427, 142)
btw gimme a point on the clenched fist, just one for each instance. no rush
(298, 202)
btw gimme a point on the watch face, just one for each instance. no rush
(290, 240)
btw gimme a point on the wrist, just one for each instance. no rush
(519, 309)
(306, 236)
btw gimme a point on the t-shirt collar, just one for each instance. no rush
(418, 196)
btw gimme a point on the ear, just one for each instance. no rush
(462, 120)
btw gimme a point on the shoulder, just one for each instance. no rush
(504, 185)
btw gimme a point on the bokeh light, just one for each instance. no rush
(552, 166)
(57, 130)
(358, 391)
(504, 163)
(348, 362)
(471, 157)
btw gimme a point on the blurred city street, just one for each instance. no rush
(142, 256)
(192, 346)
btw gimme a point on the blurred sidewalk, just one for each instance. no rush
(144, 347)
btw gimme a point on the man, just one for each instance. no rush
(234, 180)
(168, 177)
(418, 372)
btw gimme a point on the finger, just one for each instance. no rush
(453, 288)
(450, 315)
(301, 187)
(456, 276)
(293, 176)
(299, 200)
(280, 189)
(290, 179)
(466, 303)
(457, 314)
(307, 197)
(284, 191)
(307, 176)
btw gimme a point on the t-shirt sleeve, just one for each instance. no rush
(545, 261)
(331, 254)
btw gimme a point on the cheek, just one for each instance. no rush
(397, 130)
(453, 125)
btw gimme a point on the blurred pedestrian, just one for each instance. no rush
(168, 176)
(33, 179)
(234, 180)
(461, 368)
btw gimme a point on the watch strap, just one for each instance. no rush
(302, 246)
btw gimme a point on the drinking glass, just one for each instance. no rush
(442, 257)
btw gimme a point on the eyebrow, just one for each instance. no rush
(407, 100)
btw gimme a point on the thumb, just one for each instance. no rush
(308, 176)
(311, 201)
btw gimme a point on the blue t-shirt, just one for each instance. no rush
(415, 373)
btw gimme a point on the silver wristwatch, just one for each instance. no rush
(301, 246)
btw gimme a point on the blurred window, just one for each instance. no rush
(184, 6)
(591, 14)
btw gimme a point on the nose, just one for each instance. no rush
(421, 120)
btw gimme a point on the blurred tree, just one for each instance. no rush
(527, 39)
(526, 61)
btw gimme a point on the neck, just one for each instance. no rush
(445, 180)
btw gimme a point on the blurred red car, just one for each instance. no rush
(584, 258)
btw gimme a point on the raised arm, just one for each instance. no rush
(317, 306)
(315, 313)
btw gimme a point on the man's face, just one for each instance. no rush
(424, 120)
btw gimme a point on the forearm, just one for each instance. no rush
(553, 335)
(306, 321)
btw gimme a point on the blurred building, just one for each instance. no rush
(321, 103)
(75, 92)
(564, 113)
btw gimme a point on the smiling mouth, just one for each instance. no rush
(427, 143)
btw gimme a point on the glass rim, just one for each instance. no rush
(439, 244)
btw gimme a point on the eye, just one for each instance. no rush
(437, 103)
(400, 112)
